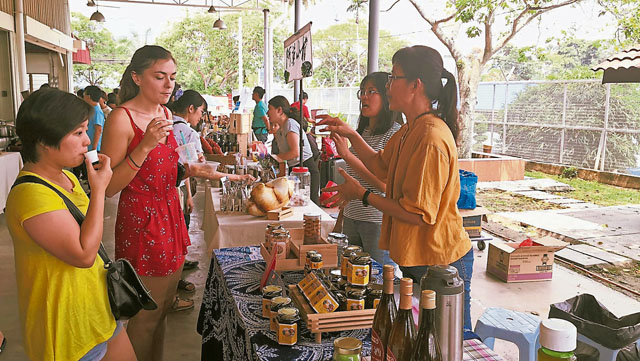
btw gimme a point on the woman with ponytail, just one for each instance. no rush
(150, 230)
(286, 137)
(421, 225)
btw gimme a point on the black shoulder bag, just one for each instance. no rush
(127, 294)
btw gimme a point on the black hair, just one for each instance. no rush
(259, 90)
(188, 98)
(93, 92)
(45, 85)
(46, 117)
(80, 92)
(103, 95)
(281, 102)
(116, 91)
(386, 116)
(235, 99)
(142, 59)
(112, 98)
(425, 63)
(305, 95)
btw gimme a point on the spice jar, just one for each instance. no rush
(341, 240)
(268, 231)
(316, 261)
(280, 238)
(288, 318)
(311, 228)
(373, 298)
(268, 293)
(276, 304)
(307, 261)
(346, 254)
(359, 269)
(347, 349)
(356, 296)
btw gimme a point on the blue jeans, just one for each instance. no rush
(98, 351)
(465, 270)
(366, 235)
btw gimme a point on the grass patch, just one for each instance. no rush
(499, 201)
(593, 192)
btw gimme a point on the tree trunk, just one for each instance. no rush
(469, 71)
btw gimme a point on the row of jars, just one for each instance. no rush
(283, 317)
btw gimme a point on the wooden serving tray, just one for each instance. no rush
(298, 254)
(317, 323)
(280, 213)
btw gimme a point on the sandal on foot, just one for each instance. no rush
(186, 286)
(181, 304)
(189, 265)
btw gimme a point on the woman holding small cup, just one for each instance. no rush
(150, 229)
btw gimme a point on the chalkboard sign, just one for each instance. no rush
(298, 61)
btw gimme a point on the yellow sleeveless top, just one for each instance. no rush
(64, 310)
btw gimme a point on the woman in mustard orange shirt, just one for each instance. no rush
(421, 224)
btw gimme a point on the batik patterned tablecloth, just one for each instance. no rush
(231, 322)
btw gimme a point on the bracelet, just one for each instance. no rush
(365, 196)
(132, 161)
(132, 166)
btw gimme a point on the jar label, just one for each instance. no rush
(323, 302)
(377, 349)
(273, 321)
(287, 334)
(316, 265)
(344, 266)
(390, 355)
(376, 301)
(359, 275)
(354, 304)
(305, 281)
(266, 307)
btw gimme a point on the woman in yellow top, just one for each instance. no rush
(421, 224)
(62, 289)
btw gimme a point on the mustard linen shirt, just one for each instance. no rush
(64, 310)
(422, 174)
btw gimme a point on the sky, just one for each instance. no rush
(402, 21)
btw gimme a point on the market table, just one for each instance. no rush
(231, 323)
(10, 163)
(223, 230)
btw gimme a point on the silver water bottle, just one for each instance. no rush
(449, 289)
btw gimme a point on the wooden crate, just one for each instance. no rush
(317, 323)
(240, 123)
(298, 253)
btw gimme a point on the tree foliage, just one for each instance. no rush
(627, 12)
(109, 56)
(208, 58)
(336, 50)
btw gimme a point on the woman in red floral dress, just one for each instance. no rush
(150, 230)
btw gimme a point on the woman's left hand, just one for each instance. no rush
(342, 145)
(347, 191)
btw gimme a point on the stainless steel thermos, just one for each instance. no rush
(449, 289)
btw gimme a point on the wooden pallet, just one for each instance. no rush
(317, 323)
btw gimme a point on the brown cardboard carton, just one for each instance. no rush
(512, 263)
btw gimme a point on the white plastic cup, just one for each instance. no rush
(92, 156)
(187, 153)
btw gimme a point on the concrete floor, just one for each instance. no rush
(183, 342)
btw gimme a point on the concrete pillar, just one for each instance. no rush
(21, 55)
(374, 20)
(69, 56)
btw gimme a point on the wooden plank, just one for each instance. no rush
(578, 258)
(599, 253)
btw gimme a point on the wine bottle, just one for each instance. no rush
(384, 317)
(403, 333)
(427, 347)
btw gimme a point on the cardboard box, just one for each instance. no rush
(512, 263)
(240, 123)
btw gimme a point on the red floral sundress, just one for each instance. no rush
(150, 230)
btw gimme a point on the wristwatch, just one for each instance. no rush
(365, 196)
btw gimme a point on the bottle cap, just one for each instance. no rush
(300, 169)
(388, 272)
(406, 286)
(558, 335)
(428, 299)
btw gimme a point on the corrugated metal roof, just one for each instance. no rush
(628, 58)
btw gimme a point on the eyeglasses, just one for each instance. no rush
(366, 93)
(394, 77)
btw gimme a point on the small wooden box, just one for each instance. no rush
(280, 213)
(297, 254)
(240, 123)
(329, 322)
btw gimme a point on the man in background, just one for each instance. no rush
(106, 109)
(92, 95)
(305, 110)
(260, 124)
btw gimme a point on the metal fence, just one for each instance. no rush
(579, 123)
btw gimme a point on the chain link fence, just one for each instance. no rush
(576, 123)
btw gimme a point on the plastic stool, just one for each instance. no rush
(517, 327)
(606, 354)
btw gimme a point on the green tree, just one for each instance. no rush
(208, 58)
(493, 24)
(336, 51)
(627, 12)
(109, 56)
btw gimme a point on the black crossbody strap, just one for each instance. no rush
(73, 209)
